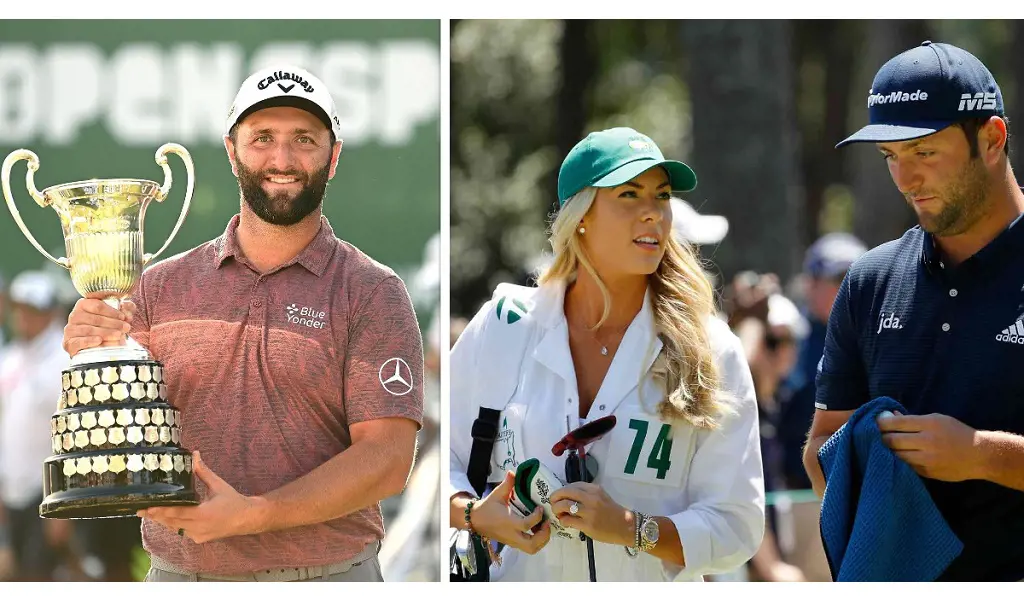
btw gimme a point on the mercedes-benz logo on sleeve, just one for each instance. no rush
(396, 376)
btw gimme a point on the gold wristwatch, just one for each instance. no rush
(647, 532)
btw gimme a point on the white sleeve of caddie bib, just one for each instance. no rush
(463, 402)
(724, 523)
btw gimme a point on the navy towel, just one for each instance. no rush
(878, 522)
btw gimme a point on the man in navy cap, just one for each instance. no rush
(935, 319)
(825, 265)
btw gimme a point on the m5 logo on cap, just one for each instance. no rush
(979, 101)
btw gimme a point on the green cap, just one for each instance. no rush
(614, 156)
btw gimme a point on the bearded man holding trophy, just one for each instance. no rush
(270, 390)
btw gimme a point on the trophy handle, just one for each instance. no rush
(161, 159)
(5, 175)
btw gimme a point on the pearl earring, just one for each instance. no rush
(583, 230)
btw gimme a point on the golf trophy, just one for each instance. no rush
(116, 440)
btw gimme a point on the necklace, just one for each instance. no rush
(604, 347)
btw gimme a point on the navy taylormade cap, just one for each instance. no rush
(927, 89)
(614, 156)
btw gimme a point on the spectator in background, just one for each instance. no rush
(432, 348)
(6, 554)
(3, 311)
(695, 228)
(30, 369)
(107, 547)
(699, 230)
(455, 329)
(770, 328)
(825, 266)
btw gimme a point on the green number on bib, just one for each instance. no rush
(660, 454)
(659, 458)
(638, 444)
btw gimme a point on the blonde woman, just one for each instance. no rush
(622, 323)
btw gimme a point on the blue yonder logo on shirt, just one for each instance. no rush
(304, 315)
(890, 322)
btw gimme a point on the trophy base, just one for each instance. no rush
(116, 444)
(95, 485)
(113, 502)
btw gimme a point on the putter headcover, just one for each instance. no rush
(534, 485)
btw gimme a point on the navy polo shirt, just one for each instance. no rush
(941, 339)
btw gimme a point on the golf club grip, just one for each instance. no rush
(590, 559)
(581, 473)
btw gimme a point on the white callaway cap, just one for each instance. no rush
(35, 289)
(284, 85)
(696, 228)
(783, 313)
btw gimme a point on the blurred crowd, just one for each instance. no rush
(782, 328)
(34, 308)
(781, 325)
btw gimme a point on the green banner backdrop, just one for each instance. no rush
(97, 98)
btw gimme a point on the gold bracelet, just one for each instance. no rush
(635, 550)
(491, 552)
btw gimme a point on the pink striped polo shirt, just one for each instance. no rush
(269, 370)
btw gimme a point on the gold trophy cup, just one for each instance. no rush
(116, 439)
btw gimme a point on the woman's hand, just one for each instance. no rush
(598, 516)
(494, 518)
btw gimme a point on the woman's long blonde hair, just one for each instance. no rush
(682, 300)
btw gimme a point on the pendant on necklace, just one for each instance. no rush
(604, 350)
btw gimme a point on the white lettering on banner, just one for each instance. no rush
(411, 84)
(75, 92)
(137, 117)
(206, 83)
(348, 72)
(282, 53)
(19, 94)
(145, 94)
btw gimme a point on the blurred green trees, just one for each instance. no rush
(756, 107)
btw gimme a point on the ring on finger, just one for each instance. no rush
(574, 508)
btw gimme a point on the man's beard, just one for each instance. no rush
(281, 209)
(964, 199)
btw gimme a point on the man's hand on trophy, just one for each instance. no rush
(223, 513)
(94, 323)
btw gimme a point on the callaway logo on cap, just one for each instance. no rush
(927, 89)
(284, 86)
